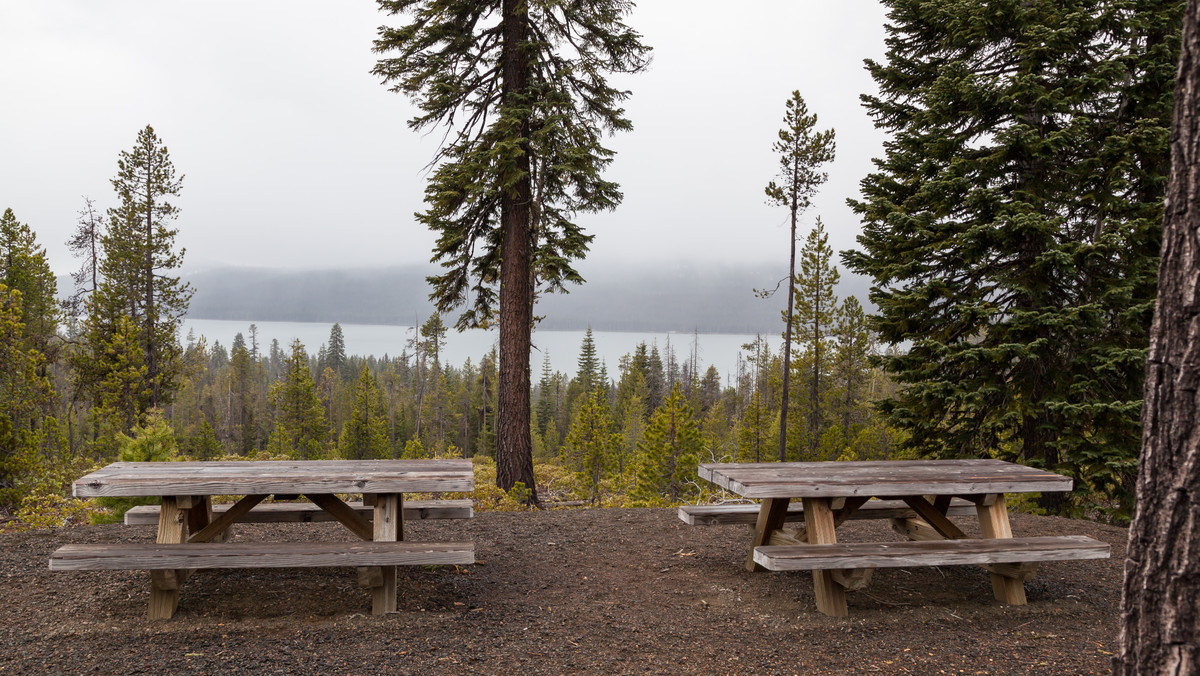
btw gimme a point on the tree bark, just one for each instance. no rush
(1160, 618)
(514, 452)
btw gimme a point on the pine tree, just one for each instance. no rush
(1158, 632)
(25, 393)
(335, 350)
(592, 442)
(138, 261)
(669, 449)
(813, 325)
(587, 372)
(85, 245)
(300, 427)
(545, 399)
(365, 434)
(242, 382)
(849, 367)
(1013, 226)
(24, 268)
(521, 89)
(802, 150)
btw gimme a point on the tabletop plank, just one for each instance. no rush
(277, 477)
(884, 478)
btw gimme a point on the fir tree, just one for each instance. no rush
(299, 417)
(850, 368)
(587, 372)
(592, 444)
(24, 268)
(521, 89)
(813, 324)
(545, 397)
(365, 434)
(25, 393)
(1012, 228)
(669, 449)
(335, 349)
(802, 150)
(242, 381)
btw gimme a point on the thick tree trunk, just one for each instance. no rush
(514, 452)
(1160, 617)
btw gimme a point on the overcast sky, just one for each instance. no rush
(295, 156)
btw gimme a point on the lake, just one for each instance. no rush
(715, 349)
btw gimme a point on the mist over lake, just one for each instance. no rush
(715, 349)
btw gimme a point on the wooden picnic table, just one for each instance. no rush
(190, 533)
(926, 490)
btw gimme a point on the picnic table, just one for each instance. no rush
(918, 496)
(191, 531)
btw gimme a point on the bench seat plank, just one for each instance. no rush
(715, 515)
(151, 556)
(283, 512)
(929, 553)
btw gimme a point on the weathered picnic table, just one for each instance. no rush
(191, 531)
(918, 496)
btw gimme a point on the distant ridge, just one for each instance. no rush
(673, 297)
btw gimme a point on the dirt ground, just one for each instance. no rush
(562, 591)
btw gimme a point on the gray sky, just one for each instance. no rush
(296, 156)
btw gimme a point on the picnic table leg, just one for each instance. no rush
(164, 584)
(388, 526)
(993, 523)
(771, 515)
(818, 520)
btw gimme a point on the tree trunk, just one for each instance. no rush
(787, 344)
(514, 453)
(148, 271)
(1160, 620)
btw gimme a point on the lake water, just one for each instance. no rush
(715, 349)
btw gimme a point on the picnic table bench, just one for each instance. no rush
(191, 528)
(917, 496)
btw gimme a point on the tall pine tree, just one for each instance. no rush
(139, 264)
(802, 150)
(1013, 225)
(813, 326)
(521, 87)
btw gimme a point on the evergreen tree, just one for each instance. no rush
(138, 262)
(802, 150)
(813, 324)
(753, 432)
(25, 394)
(365, 434)
(521, 89)
(592, 444)
(669, 449)
(335, 349)
(300, 427)
(545, 397)
(24, 268)
(85, 244)
(850, 368)
(587, 372)
(1158, 632)
(1013, 226)
(656, 379)
(119, 384)
(242, 386)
